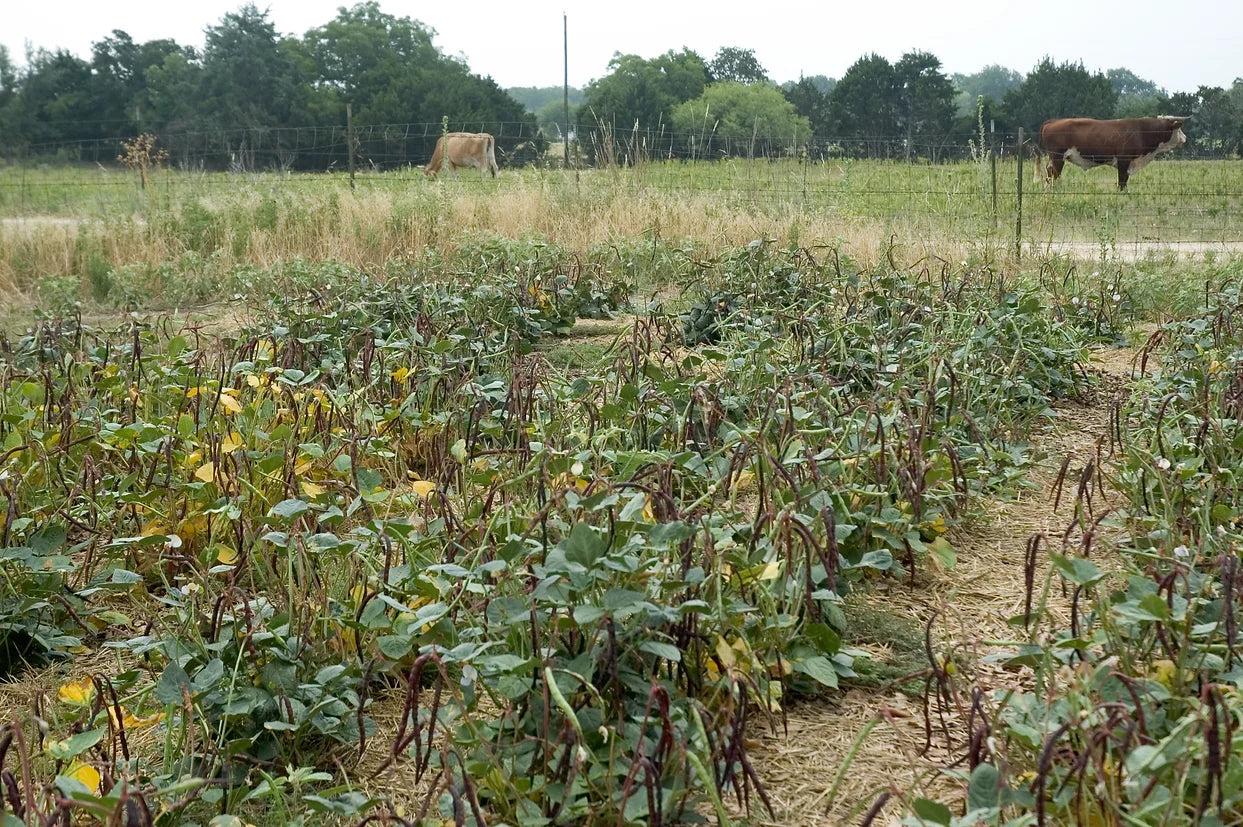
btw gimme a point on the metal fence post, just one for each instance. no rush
(1018, 216)
(349, 139)
(992, 162)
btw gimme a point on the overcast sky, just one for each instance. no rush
(1180, 46)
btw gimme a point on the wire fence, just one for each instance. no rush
(971, 186)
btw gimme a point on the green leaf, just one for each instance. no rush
(819, 669)
(1080, 571)
(984, 789)
(584, 545)
(944, 552)
(369, 480)
(75, 744)
(168, 690)
(932, 811)
(289, 509)
(661, 650)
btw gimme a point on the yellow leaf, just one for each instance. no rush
(725, 653)
(1163, 672)
(78, 692)
(230, 403)
(130, 721)
(263, 350)
(192, 392)
(648, 514)
(771, 571)
(423, 488)
(193, 457)
(311, 489)
(206, 472)
(400, 374)
(226, 555)
(154, 527)
(85, 774)
(304, 466)
(743, 480)
(252, 380)
(232, 442)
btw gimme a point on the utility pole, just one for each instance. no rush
(565, 42)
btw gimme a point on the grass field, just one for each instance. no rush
(642, 501)
(57, 222)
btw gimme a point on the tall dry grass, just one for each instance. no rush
(262, 220)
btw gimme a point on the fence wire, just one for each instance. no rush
(970, 186)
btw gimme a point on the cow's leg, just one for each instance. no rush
(1054, 170)
(1123, 172)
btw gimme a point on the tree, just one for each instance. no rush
(822, 83)
(644, 91)
(733, 64)
(925, 101)
(1137, 97)
(810, 101)
(1066, 90)
(864, 104)
(120, 68)
(1214, 120)
(535, 98)
(993, 81)
(733, 118)
(248, 79)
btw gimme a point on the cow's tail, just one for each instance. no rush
(438, 158)
(491, 152)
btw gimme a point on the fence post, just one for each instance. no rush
(992, 162)
(1018, 216)
(349, 139)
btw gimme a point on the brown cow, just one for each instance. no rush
(466, 149)
(1127, 143)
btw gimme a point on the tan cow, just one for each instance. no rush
(466, 149)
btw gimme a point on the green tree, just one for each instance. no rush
(735, 64)
(993, 81)
(732, 118)
(56, 100)
(1137, 97)
(248, 79)
(925, 103)
(639, 93)
(535, 98)
(1215, 121)
(810, 101)
(1065, 90)
(864, 106)
(120, 68)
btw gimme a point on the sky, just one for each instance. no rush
(519, 44)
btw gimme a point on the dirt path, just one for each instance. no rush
(973, 600)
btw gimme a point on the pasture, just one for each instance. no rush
(666, 495)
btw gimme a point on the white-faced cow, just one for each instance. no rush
(1127, 143)
(465, 149)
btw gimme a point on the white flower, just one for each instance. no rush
(1075, 300)
(1163, 463)
(174, 541)
(1181, 551)
(832, 291)
(927, 309)
(1095, 273)
(1117, 297)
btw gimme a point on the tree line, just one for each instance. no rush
(680, 103)
(251, 98)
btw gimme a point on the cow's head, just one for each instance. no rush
(1176, 137)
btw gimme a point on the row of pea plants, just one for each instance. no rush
(579, 587)
(1133, 710)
